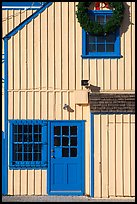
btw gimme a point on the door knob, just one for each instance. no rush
(52, 150)
(52, 156)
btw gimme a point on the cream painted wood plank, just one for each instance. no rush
(112, 154)
(119, 156)
(132, 155)
(17, 182)
(133, 45)
(23, 55)
(93, 72)
(31, 182)
(86, 69)
(44, 49)
(97, 173)
(24, 181)
(107, 74)
(44, 182)
(78, 54)
(16, 105)
(51, 106)
(30, 65)
(51, 47)
(72, 105)
(4, 22)
(128, 49)
(71, 46)
(44, 105)
(37, 105)
(65, 101)
(86, 116)
(100, 67)
(10, 20)
(10, 64)
(65, 54)
(10, 106)
(16, 62)
(113, 71)
(104, 135)
(59, 107)
(79, 112)
(23, 105)
(126, 154)
(37, 53)
(10, 182)
(58, 45)
(38, 182)
(30, 104)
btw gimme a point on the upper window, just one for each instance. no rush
(100, 46)
(28, 144)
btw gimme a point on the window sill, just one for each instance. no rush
(101, 57)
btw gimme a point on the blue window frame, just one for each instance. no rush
(28, 144)
(21, 5)
(101, 46)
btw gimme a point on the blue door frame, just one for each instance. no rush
(66, 174)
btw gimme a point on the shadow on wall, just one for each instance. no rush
(126, 20)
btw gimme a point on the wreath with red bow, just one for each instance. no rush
(95, 28)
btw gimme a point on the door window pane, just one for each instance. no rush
(57, 130)
(65, 152)
(73, 152)
(73, 141)
(65, 141)
(73, 130)
(56, 141)
(65, 130)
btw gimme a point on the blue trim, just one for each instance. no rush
(4, 167)
(21, 5)
(92, 156)
(98, 55)
(28, 20)
(6, 114)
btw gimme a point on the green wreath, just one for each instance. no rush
(96, 28)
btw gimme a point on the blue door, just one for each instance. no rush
(66, 158)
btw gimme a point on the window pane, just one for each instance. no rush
(36, 148)
(110, 48)
(65, 130)
(30, 128)
(65, 141)
(19, 128)
(19, 148)
(91, 39)
(19, 138)
(15, 128)
(65, 152)
(37, 156)
(15, 138)
(110, 38)
(37, 137)
(100, 48)
(29, 148)
(20, 157)
(73, 130)
(101, 39)
(36, 128)
(73, 152)
(91, 48)
(73, 141)
(25, 128)
(56, 141)
(108, 17)
(57, 130)
(27, 137)
(100, 19)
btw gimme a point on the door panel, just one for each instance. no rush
(66, 159)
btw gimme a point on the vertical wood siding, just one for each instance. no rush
(45, 68)
(114, 155)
